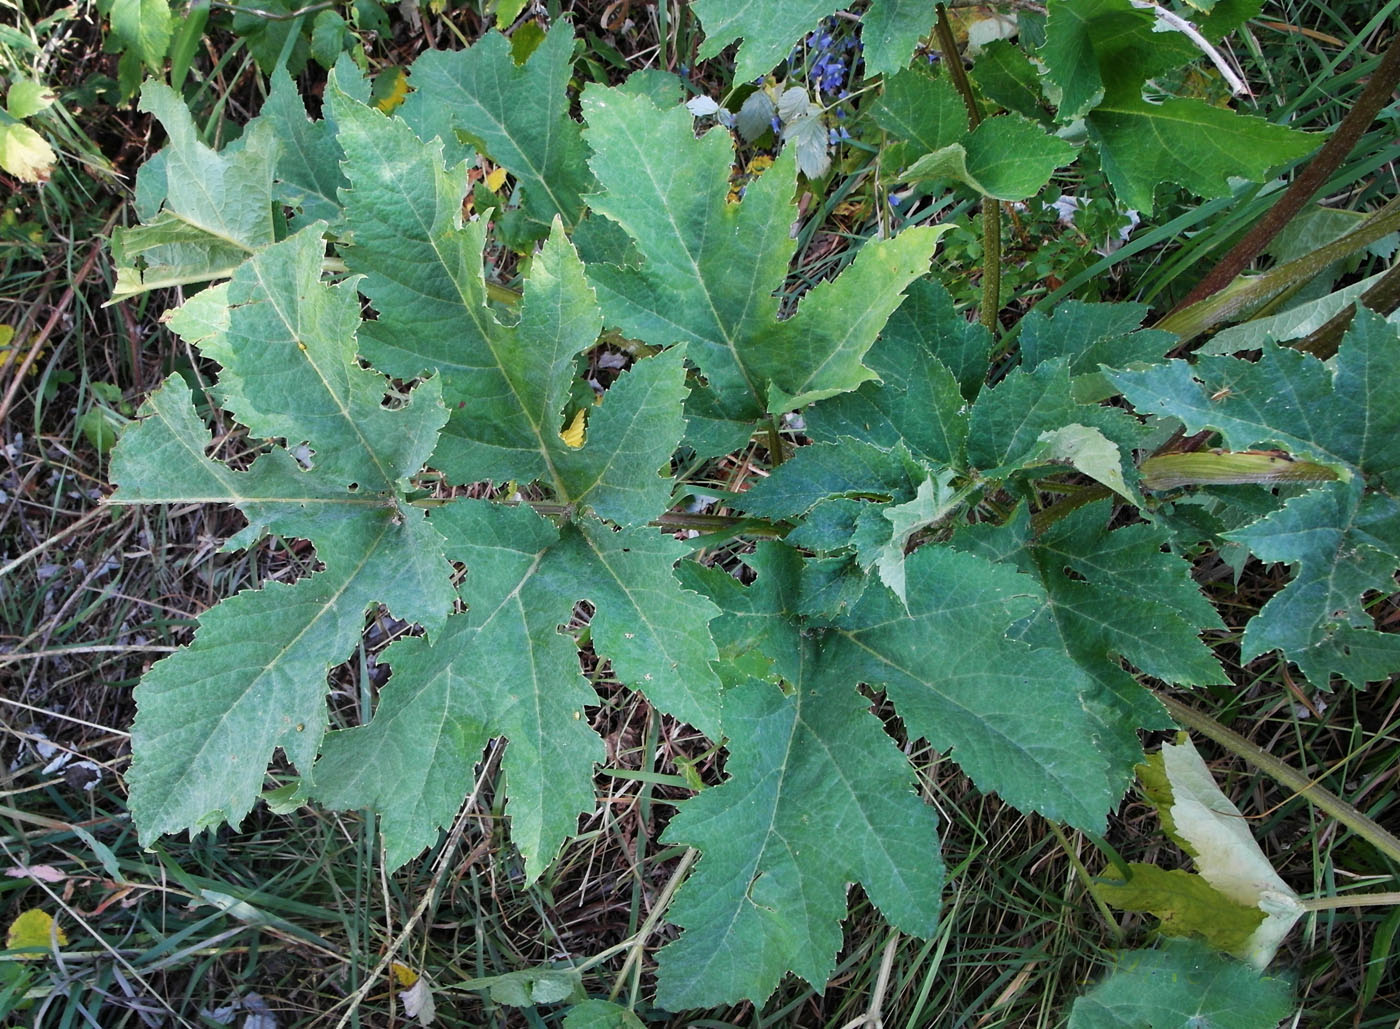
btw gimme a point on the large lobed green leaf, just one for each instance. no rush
(504, 669)
(817, 797)
(710, 267)
(254, 679)
(1342, 541)
(1100, 53)
(505, 385)
(517, 114)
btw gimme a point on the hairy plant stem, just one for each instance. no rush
(671, 520)
(1290, 777)
(1190, 322)
(1383, 298)
(1351, 900)
(1048, 516)
(991, 208)
(1312, 178)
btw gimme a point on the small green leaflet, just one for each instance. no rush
(143, 26)
(1008, 157)
(921, 113)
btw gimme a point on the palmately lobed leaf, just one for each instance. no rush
(1342, 544)
(1009, 712)
(254, 679)
(1336, 413)
(1341, 540)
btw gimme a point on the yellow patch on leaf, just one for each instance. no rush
(495, 179)
(405, 975)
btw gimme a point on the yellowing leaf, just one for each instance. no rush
(1184, 903)
(25, 154)
(34, 930)
(577, 429)
(495, 179)
(27, 98)
(418, 1002)
(390, 89)
(1211, 829)
(405, 975)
